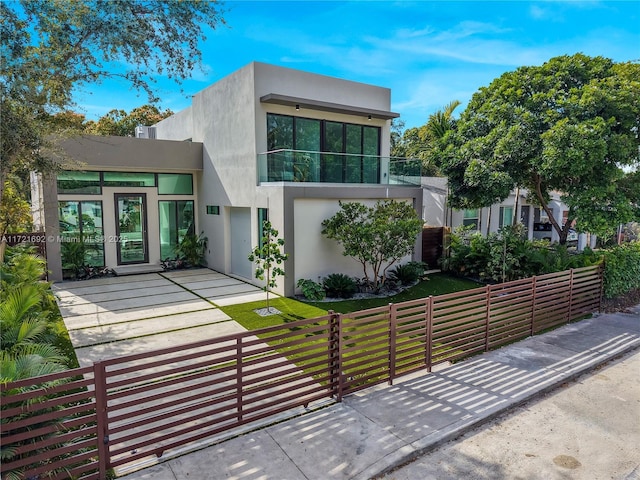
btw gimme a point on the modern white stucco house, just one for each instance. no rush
(264, 142)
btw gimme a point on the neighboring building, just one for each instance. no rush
(264, 142)
(436, 213)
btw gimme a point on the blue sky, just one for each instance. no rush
(428, 53)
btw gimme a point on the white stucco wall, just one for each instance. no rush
(178, 126)
(316, 255)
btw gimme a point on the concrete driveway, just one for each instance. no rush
(115, 316)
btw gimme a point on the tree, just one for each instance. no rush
(570, 125)
(268, 257)
(123, 124)
(377, 236)
(424, 143)
(49, 49)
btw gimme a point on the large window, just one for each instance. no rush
(175, 184)
(91, 183)
(506, 216)
(73, 182)
(471, 217)
(308, 136)
(176, 221)
(81, 234)
(129, 179)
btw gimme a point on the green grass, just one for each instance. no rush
(437, 284)
(291, 309)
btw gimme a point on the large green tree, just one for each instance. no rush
(51, 48)
(570, 125)
(123, 124)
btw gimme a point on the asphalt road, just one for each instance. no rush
(587, 430)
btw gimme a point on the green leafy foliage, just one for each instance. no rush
(311, 290)
(621, 269)
(569, 125)
(123, 124)
(377, 237)
(192, 249)
(339, 285)
(508, 255)
(51, 48)
(408, 273)
(268, 257)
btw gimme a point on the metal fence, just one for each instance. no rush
(85, 421)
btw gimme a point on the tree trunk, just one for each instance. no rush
(561, 233)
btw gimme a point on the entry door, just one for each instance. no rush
(131, 228)
(240, 241)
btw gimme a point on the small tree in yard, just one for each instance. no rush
(268, 257)
(376, 236)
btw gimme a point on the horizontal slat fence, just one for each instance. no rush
(124, 410)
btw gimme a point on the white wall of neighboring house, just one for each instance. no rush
(435, 212)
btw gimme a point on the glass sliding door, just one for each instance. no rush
(131, 228)
(176, 221)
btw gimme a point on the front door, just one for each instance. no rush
(131, 228)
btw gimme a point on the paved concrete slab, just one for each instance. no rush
(71, 289)
(130, 293)
(145, 300)
(377, 429)
(88, 355)
(151, 326)
(227, 300)
(132, 314)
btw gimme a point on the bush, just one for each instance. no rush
(340, 285)
(507, 255)
(621, 269)
(312, 290)
(408, 273)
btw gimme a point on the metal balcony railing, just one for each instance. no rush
(326, 167)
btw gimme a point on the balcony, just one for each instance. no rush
(325, 167)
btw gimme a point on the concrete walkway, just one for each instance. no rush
(115, 316)
(377, 429)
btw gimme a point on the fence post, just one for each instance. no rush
(335, 356)
(429, 328)
(601, 277)
(533, 305)
(239, 378)
(102, 420)
(487, 318)
(393, 312)
(570, 293)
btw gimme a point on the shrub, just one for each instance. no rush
(192, 248)
(408, 273)
(312, 290)
(507, 255)
(339, 285)
(621, 269)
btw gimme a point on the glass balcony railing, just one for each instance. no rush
(325, 167)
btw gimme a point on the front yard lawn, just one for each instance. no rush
(292, 310)
(437, 284)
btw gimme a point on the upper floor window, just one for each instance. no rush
(74, 182)
(309, 137)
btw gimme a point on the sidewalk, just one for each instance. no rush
(380, 428)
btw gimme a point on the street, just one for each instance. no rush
(587, 429)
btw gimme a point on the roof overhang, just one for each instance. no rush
(278, 99)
